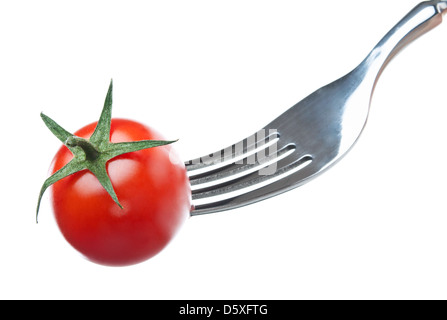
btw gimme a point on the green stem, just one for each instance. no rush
(91, 153)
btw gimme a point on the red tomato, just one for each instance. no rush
(151, 185)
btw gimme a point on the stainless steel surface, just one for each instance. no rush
(308, 138)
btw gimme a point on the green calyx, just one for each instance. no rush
(93, 154)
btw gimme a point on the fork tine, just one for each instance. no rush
(254, 187)
(250, 179)
(235, 170)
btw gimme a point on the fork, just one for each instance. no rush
(309, 137)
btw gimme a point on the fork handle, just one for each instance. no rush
(424, 17)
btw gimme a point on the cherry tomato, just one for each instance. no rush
(152, 186)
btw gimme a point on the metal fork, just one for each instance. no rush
(308, 138)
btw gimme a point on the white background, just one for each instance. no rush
(211, 73)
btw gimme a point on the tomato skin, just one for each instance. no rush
(151, 185)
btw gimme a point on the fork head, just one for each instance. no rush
(294, 148)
